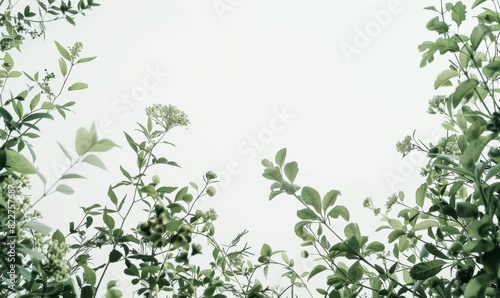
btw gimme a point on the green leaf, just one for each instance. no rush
(70, 20)
(312, 198)
(317, 269)
(64, 53)
(288, 187)
(458, 13)
(480, 228)
(299, 228)
(467, 210)
(113, 293)
(89, 275)
(111, 284)
(62, 188)
(395, 235)
(266, 250)
(291, 170)
(115, 256)
(78, 86)
(280, 157)
(443, 79)
(68, 155)
(339, 211)
(18, 163)
(102, 145)
(492, 172)
(37, 116)
(37, 226)
(355, 272)
(151, 191)
(492, 70)
(479, 246)
(57, 235)
(63, 67)
(425, 224)
(464, 90)
(47, 105)
(34, 102)
(273, 174)
(8, 63)
(95, 161)
(84, 141)
(375, 246)
(478, 34)
(307, 214)
(478, 285)
(112, 196)
(72, 176)
(467, 159)
(84, 60)
(433, 250)
(15, 74)
(330, 198)
(420, 195)
(209, 292)
(423, 271)
(352, 230)
(436, 25)
(27, 251)
(108, 220)
(477, 2)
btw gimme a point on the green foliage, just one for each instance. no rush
(445, 243)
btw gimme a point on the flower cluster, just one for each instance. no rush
(75, 50)
(449, 145)
(16, 184)
(436, 105)
(167, 116)
(391, 201)
(368, 203)
(211, 214)
(56, 266)
(405, 146)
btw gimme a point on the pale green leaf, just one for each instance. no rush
(443, 79)
(64, 189)
(291, 170)
(95, 161)
(312, 198)
(78, 86)
(18, 163)
(317, 269)
(84, 60)
(102, 145)
(280, 157)
(63, 67)
(64, 53)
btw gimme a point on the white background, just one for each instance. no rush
(230, 72)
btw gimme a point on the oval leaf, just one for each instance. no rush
(423, 271)
(316, 270)
(312, 198)
(78, 86)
